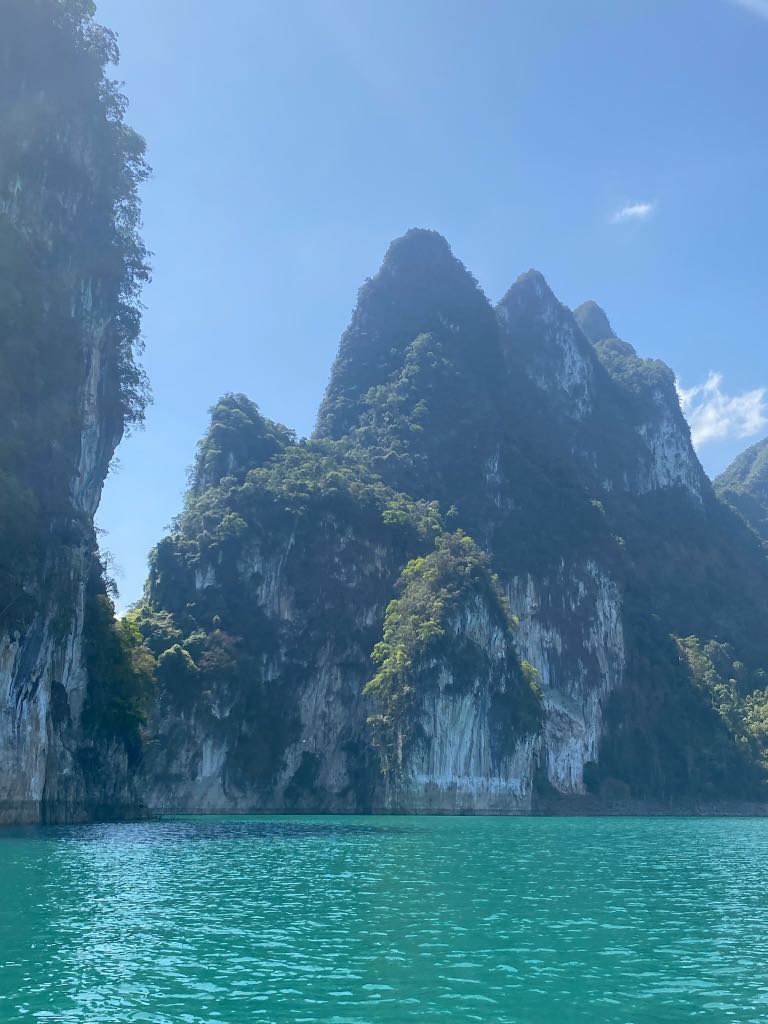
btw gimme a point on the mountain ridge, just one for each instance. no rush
(495, 580)
(744, 485)
(440, 416)
(73, 682)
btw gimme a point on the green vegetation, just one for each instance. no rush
(744, 486)
(438, 426)
(740, 697)
(233, 612)
(71, 262)
(299, 488)
(421, 289)
(698, 567)
(635, 375)
(593, 321)
(673, 734)
(121, 671)
(238, 439)
(418, 632)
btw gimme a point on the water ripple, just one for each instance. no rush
(366, 920)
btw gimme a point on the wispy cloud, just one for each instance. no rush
(758, 7)
(633, 211)
(715, 415)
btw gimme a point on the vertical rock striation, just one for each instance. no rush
(461, 454)
(71, 267)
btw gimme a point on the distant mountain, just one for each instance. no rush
(744, 484)
(497, 578)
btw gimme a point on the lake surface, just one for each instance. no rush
(365, 920)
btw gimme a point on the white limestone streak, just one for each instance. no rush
(577, 671)
(671, 459)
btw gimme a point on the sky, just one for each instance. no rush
(618, 146)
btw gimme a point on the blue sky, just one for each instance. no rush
(619, 146)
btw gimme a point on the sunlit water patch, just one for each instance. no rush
(364, 920)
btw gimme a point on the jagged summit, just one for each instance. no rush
(420, 273)
(540, 335)
(529, 304)
(633, 436)
(239, 438)
(531, 286)
(417, 248)
(462, 456)
(420, 289)
(593, 321)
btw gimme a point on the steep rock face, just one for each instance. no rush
(70, 269)
(619, 415)
(459, 761)
(421, 290)
(593, 322)
(263, 609)
(744, 484)
(330, 636)
(285, 730)
(458, 716)
(545, 339)
(571, 629)
(645, 402)
(523, 483)
(670, 460)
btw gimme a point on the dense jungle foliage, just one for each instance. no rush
(434, 590)
(71, 267)
(457, 446)
(121, 669)
(432, 425)
(744, 485)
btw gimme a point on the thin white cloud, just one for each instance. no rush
(758, 7)
(633, 211)
(716, 416)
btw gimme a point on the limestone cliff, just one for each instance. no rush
(71, 267)
(470, 751)
(496, 579)
(325, 641)
(620, 414)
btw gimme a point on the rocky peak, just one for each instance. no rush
(338, 557)
(420, 289)
(541, 335)
(643, 406)
(632, 436)
(239, 438)
(593, 321)
(531, 293)
(417, 252)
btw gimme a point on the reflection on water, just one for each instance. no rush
(366, 920)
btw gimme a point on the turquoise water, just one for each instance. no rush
(366, 920)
